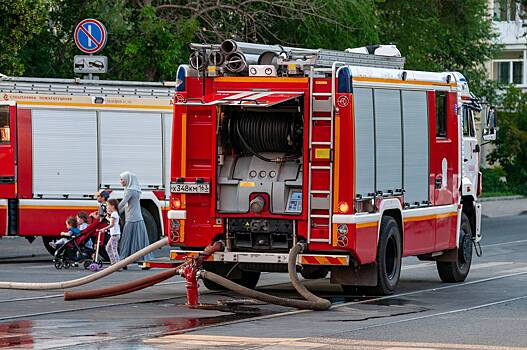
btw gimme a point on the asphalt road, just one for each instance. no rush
(488, 311)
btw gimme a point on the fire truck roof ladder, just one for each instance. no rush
(326, 58)
(25, 85)
(326, 214)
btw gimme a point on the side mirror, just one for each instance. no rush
(489, 126)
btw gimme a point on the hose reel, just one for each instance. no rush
(265, 133)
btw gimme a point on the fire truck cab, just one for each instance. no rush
(362, 163)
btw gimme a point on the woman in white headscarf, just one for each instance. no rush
(134, 235)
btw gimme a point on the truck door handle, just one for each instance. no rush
(438, 182)
(465, 160)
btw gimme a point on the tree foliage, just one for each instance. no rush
(20, 20)
(511, 149)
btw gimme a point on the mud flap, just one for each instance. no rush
(477, 234)
(364, 275)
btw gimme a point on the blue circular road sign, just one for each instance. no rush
(90, 36)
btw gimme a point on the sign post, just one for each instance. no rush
(90, 37)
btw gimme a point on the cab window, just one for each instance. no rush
(468, 123)
(441, 113)
(465, 122)
(5, 130)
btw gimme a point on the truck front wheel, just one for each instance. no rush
(457, 271)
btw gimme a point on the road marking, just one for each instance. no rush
(184, 340)
(504, 243)
(32, 298)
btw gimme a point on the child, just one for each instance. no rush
(115, 231)
(73, 230)
(102, 199)
(82, 220)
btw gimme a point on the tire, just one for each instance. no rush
(457, 271)
(151, 225)
(389, 259)
(247, 279)
(46, 240)
(87, 264)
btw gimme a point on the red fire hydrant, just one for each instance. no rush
(189, 272)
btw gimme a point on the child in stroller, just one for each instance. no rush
(75, 251)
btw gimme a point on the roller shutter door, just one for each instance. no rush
(64, 152)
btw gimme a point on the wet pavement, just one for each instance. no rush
(489, 309)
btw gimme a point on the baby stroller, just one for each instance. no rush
(75, 251)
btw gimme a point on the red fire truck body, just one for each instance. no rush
(369, 166)
(63, 140)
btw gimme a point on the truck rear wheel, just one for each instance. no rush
(244, 278)
(457, 271)
(47, 240)
(389, 258)
(388, 262)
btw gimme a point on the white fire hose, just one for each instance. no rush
(88, 279)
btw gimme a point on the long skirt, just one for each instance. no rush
(133, 239)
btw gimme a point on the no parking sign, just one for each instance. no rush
(90, 36)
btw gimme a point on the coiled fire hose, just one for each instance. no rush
(88, 279)
(312, 303)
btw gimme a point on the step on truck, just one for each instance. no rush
(64, 139)
(363, 161)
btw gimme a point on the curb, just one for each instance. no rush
(501, 198)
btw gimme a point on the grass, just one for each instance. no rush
(497, 194)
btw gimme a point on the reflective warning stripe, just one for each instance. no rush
(324, 260)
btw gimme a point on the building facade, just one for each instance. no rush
(509, 22)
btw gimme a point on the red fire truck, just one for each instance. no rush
(363, 163)
(62, 140)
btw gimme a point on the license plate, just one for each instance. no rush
(189, 188)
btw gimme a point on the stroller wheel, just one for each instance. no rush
(87, 264)
(67, 264)
(58, 264)
(100, 264)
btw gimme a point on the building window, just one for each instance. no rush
(508, 72)
(5, 130)
(505, 10)
(441, 113)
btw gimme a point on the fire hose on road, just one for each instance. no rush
(88, 279)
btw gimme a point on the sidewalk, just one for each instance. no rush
(494, 208)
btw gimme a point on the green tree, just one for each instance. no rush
(20, 20)
(511, 149)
